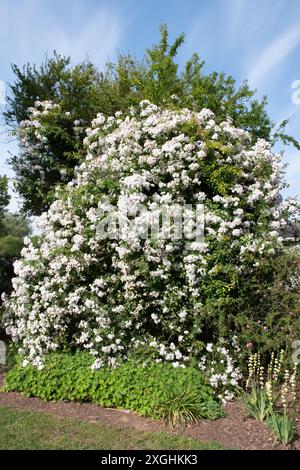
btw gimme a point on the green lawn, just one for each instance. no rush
(38, 430)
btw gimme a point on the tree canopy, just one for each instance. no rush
(13, 228)
(4, 196)
(48, 157)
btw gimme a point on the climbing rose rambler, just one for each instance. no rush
(116, 296)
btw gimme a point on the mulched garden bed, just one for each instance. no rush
(235, 431)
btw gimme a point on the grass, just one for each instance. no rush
(36, 430)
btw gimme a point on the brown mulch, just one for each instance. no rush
(235, 431)
(238, 431)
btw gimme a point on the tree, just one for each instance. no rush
(69, 97)
(13, 228)
(4, 199)
(4, 196)
(78, 93)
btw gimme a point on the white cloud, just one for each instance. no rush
(97, 39)
(29, 29)
(292, 175)
(71, 28)
(3, 19)
(2, 93)
(273, 54)
(236, 13)
(287, 114)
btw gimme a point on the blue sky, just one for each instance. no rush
(254, 39)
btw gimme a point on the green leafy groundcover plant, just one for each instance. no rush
(133, 386)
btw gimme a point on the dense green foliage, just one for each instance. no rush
(13, 228)
(262, 306)
(15, 224)
(4, 200)
(130, 386)
(82, 91)
(12, 231)
(4, 196)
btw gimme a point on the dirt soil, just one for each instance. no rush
(235, 431)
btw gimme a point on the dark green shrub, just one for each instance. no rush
(130, 386)
(262, 307)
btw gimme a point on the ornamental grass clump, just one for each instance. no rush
(187, 407)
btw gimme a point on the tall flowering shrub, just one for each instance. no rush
(126, 294)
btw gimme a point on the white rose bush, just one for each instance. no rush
(95, 282)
